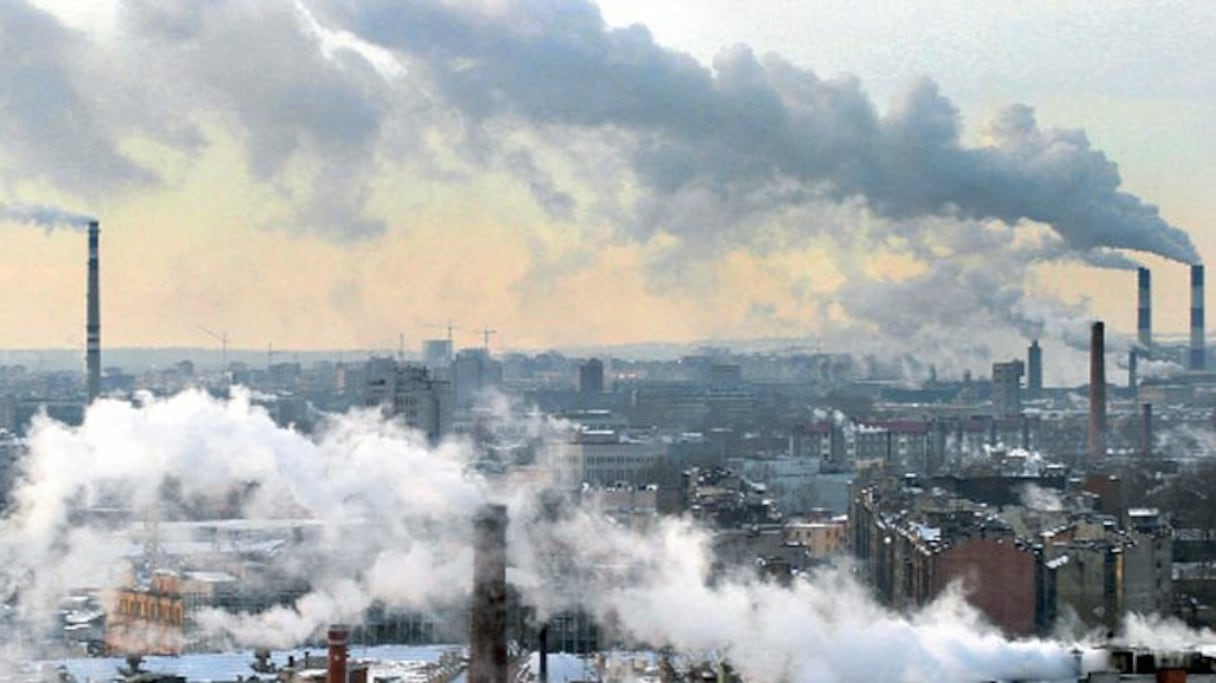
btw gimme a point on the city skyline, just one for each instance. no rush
(362, 212)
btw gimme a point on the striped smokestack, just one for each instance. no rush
(1144, 309)
(92, 327)
(1198, 360)
(1097, 392)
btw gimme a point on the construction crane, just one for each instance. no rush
(222, 338)
(449, 327)
(485, 337)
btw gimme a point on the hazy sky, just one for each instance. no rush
(324, 174)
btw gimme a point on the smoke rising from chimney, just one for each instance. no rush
(44, 216)
(702, 151)
(671, 164)
(754, 126)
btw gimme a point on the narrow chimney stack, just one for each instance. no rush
(92, 328)
(1144, 310)
(1097, 392)
(542, 642)
(488, 622)
(1198, 354)
(1146, 430)
(339, 635)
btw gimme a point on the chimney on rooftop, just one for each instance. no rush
(1197, 356)
(488, 622)
(338, 637)
(1097, 392)
(92, 327)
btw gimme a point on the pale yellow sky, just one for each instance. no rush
(219, 241)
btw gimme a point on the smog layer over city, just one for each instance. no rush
(499, 340)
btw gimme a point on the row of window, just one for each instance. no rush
(158, 610)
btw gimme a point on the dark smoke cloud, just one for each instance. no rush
(260, 70)
(754, 122)
(50, 128)
(318, 117)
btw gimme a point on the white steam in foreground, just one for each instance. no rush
(395, 525)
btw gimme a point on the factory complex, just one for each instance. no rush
(1049, 509)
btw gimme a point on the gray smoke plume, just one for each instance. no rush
(752, 123)
(43, 216)
(321, 94)
(55, 126)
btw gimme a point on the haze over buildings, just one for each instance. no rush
(972, 345)
(312, 180)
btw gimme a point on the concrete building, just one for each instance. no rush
(411, 394)
(437, 353)
(591, 377)
(147, 618)
(911, 557)
(823, 538)
(1024, 569)
(473, 372)
(1034, 370)
(604, 458)
(1007, 388)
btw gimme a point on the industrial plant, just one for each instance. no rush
(1050, 509)
(504, 342)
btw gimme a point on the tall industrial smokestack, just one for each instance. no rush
(1097, 392)
(1198, 361)
(1146, 430)
(1144, 309)
(92, 327)
(488, 623)
(1133, 358)
(1034, 374)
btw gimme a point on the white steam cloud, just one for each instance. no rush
(395, 526)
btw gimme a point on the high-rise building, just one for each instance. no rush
(411, 394)
(1007, 388)
(1034, 370)
(437, 353)
(473, 371)
(591, 377)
